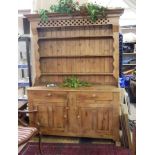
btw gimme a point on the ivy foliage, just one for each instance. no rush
(43, 15)
(71, 6)
(65, 6)
(74, 82)
(95, 10)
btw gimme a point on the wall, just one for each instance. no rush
(20, 25)
(45, 4)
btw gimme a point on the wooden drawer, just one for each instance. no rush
(44, 94)
(105, 96)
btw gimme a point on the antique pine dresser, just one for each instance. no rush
(74, 45)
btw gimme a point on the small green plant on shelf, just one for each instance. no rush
(74, 82)
(71, 6)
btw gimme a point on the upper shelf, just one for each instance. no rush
(74, 37)
(75, 56)
(129, 53)
(129, 42)
(22, 66)
(23, 84)
(48, 74)
(129, 64)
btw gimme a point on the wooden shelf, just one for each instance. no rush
(75, 56)
(129, 64)
(129, 53)
(22, 103)
(76, 74)
(74, 37)
(129, 42)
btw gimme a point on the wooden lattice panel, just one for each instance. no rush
(72, 22)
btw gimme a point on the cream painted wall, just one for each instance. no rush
(45, 4)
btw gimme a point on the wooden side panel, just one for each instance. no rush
(35, 55)
(116, 52)
(116, 114)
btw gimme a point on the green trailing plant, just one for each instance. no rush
(72, 6)
(74, 82)
(65, 6)
(94, 11)
(43, 15)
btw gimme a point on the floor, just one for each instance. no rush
(60, 139)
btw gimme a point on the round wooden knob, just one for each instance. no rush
(67, 108)
(78, 116)
(65, 116)
(94, 95)
(49, 94)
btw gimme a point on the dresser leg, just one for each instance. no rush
(118, 143)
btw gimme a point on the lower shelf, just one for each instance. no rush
(22, 99)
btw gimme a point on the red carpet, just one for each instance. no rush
(74, 149)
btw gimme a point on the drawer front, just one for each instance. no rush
(43, 94)
(105, 96)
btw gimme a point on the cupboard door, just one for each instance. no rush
(104, 120)
(95, 118)
(51, 116)
(86, 117)
(59, 116)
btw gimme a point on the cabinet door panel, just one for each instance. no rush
(95, 119)
(43, 115)
(59, 117)
(86, 116)
(104, 120)
(51, 116)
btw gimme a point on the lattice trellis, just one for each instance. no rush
(72, 22)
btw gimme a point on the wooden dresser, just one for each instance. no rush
(74, 45)
(91, 112)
